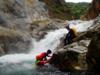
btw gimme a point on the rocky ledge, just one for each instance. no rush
(71, 57)
(81, 55)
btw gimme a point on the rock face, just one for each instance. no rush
(13, 42)
(93, 53)
(17, 17)
(93, 11)
(18, 13)
(28, 17)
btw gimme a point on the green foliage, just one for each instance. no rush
(78, 9)
(68, 10)
(60, 11)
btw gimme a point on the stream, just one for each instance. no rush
(23, 64)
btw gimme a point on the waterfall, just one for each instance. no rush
(81, 26)
(24, 62)
(50, 41)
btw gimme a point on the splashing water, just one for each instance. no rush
(23, 64)
(81, 26)
(51, 41)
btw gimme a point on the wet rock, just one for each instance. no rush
(1, 20)
(64, 64)
(94, 29)
(39, 29)
(96, 25)
(93, 54)
(71, 57)
(13, 41)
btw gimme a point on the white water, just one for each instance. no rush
(81, 26)
(51, 41)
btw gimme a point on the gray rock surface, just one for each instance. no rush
(16, 16)
(72, 57)
(20, 13)
(14, 42)
(93, 53)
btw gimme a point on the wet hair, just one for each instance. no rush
(49, 51)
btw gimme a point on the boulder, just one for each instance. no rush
(71, 57)
(93, 54)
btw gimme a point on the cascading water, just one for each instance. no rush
(51, 41)
(23, 64)
(14, 64)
